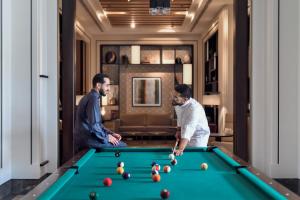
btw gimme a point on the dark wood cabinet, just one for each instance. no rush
(211, 64)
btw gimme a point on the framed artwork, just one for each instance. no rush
(168, 56)
(146, 91)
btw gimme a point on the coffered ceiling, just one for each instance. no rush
(124, 13)
(132, 16)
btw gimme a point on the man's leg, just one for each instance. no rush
(121, 144)
(96, 145)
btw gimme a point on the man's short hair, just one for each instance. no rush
(184, 90)
(99, 78)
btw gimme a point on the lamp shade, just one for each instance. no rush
(78, 98)
(135, 54)
(104, 100)
(211, 100)
(187, 74)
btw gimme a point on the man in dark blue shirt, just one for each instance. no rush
(89, 130)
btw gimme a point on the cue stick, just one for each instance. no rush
(175, 146)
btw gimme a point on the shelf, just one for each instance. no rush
(211, 82)
(146, 64)
(139, 64)
(110, 64)
(211, 93)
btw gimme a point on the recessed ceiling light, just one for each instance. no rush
(181, 13)
(166, 30)
(200, 3)
(191, 15)
(115, 13)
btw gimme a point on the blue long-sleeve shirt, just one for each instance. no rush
(89, 130)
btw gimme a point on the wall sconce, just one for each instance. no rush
(135, 54)
(187, 74)
(104, 100)
(103, 111)
(78, 98)
(211, 100)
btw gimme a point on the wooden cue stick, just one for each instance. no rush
(175, 146)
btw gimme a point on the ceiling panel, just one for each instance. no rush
(137, 11)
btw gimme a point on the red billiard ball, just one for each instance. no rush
(107, 182)
(126, 175)
(167, 169)
(164, 194)
(156, 167)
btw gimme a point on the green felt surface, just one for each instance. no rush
(185, 181)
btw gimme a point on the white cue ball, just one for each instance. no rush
(171, 156)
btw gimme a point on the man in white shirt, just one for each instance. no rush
(192, 125)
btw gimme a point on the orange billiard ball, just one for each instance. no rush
(156, 177)
(120, 170)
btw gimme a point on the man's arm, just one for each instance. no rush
(116, 135)
(107, 130)
(93, 115)
(187, 131)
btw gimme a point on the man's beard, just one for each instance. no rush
(101, 92)
(174, 103)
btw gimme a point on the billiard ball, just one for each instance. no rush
(204, 166)
(153, 163)
(164, 194)
(171, 156)
(117, 154)
(154, 172)
(120, 170)
(174, 162)
(156, 177)
(120, 164)
(93, 195)
(107, 182)
(156, 167)
(126, 175)
(167, 169)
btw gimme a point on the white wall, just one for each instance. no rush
(223, 22)
(5, 171)
(289, 90)
(25, 58)
(225, 36)
(264, 88)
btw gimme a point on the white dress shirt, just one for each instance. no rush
(193, 122)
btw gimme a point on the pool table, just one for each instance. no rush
(227, 177)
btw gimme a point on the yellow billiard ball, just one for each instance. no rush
(204, 166)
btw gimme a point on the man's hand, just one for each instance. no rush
(178, 152)
(178, 135)
(116, 135)
(113, 140)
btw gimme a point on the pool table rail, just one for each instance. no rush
(234, 161)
